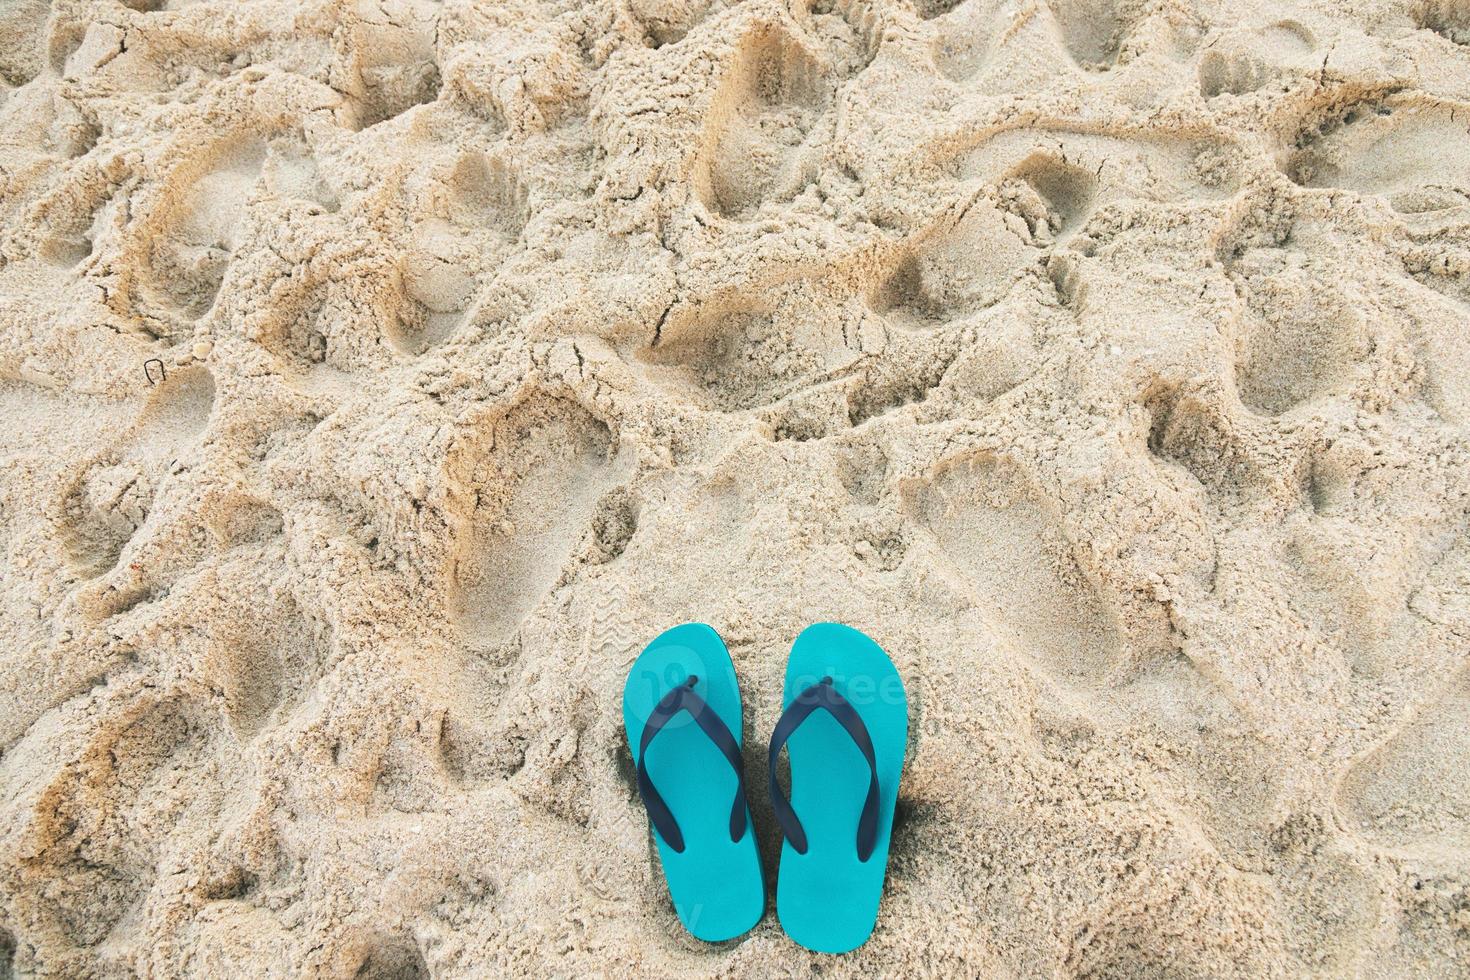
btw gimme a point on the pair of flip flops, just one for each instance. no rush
(844, 726)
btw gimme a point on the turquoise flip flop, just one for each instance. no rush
(846, 760)
(681, 711)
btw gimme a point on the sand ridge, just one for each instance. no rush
(1105, 360)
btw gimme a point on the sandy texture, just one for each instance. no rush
(1108, 362)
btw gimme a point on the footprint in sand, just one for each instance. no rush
(291, 171)
(768, 107)
(391, 60)
(1239, 62)
(965, 42)
(1412, 794)
(771, 113)
(266, 656)
(1038, 189)
(1299, 337)
(37, 421)
(437, 286)
(735, 358)
(1006, 548)
(1051, 195)
(1413, 152)
(1033, 203)
(1090, 30)
(192, 236)
(110, 501)
(1078, 172)
(185, 242)
(137, 770)
(479, 209)
(1004, 46)
(537, 493)
(1191, 429)
(956, 271)
(724, 363)
(484, 192)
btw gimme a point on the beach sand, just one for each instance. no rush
(1107, 361)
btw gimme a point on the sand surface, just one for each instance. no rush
(1106, 360)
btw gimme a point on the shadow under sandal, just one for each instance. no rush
(681, 712)
(845, 726)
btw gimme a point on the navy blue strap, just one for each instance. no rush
(823, 695)
(683, 698)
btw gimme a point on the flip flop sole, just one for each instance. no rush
(716, 884)
(827, 899)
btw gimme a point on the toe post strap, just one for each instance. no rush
(822, 695)
(684, 698)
